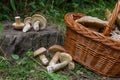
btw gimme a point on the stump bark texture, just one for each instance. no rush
(17, 42)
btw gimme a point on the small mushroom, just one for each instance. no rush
(38, 22)
(18, 25)
(71, 65)
(41, 51)
(65, 58)
(56, 50)
(27, 22)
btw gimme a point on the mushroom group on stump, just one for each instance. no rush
(37, 22)
(65, 59)
(41, 52)
(55, 50)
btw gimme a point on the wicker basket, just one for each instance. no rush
(92, 49)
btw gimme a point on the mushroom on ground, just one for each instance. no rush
(27, 22)
(38, 22)
(71, 65)
(18, 24)
(65, 58)
(41, 51)
(56, 50)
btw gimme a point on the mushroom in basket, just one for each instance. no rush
(107, 14)
(92, 23)
(38, 22)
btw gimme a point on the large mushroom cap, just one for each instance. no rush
(27, 20)
(65, 57)
(37, 17)
(40, 51)
(92, 21)
(56, 48)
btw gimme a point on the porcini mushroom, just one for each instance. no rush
(65, 58)
(41, 51)
(56, 50)
(71, 65)
(18, 24)
(38, 22)
(92, 23)
(27, 26)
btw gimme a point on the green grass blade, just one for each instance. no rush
(0, 28)
(12, 2)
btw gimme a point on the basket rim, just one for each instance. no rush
(96, 36)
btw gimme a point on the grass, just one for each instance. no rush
(0, 27)
(24, 68)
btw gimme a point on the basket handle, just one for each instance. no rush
(112, 19)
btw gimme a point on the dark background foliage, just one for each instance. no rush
(11, 8)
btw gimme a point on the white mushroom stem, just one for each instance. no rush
(43, 59)
(54, 59)
(36, 25)
(27, 27)
(56, 67)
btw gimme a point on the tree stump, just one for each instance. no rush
(17, 42)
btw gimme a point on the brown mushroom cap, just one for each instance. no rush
(40, 51)
(92, 21)
(56, 48)
(37, 17)
(65, 57)
(27, 20)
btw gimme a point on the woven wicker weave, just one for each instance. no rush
(92, 49)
